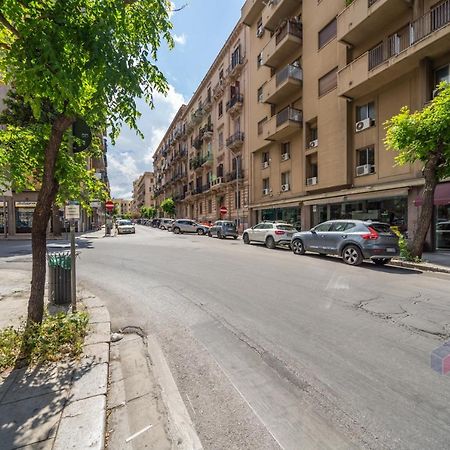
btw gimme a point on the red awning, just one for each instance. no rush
(441, 195)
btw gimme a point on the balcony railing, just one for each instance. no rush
(235, 140)
(287, 114)
(235, 100)
(422, 27)
(292, 27)
(235, 66)
(197, 142)
(290, 71)
(232, 176)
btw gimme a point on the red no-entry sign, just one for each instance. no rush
(223, 210)
(109, 205)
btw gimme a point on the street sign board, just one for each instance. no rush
(223, 210)
(95, 204)
(109, 205)
(72, 212)
(81, 131)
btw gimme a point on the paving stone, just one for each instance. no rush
(6, 381)
(98, 332)
(82, 425)
(31, 420)
(45, 445)
(89, 382)
(95, 354)
(91, 301)
(98, 315)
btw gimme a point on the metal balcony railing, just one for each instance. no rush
(432, 21)
(290, 71)
(292, 27)
(289, 114)
(238, 98)
(236, 138)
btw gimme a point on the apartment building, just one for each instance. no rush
(203, 161)
(324, 77)
(143, 192)
(122, 206)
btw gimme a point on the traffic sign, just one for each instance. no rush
(72, 212)
(223, 210)
(109, 205)
(81, 131)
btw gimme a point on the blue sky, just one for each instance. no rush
(200, 30)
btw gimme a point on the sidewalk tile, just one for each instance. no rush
(98, 332)
(98, 315)
(89, 382)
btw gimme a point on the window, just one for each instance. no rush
(341, 226)
(209, 206)
(221, 140)
(313, 134)
(237, 199)
(220, 107)
(365, 112)
(285, 148)
(261, 126)
(285, 178)
(327, 33)
(266, 185)
(260, 95)
(328, 82)
(265, 157)
(365, 156)
(259, 60)
(259, 28)
(323, 227)
(236, 57)
(201, 208)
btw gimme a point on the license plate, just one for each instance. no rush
(391, 250)
(290, 234)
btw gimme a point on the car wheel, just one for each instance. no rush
(246, 239)
(270, 242)
(352, 255)
(235, 237)
(176, 230)
(219, 235)
(200, 232)
(382, 261)
(297, 247)
(209, 234)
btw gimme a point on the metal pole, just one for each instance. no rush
(73, 276)
(237, 192)
(105, 218)
(5, 226)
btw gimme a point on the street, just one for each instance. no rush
(274, 350)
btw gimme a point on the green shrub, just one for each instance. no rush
(404, 250)
(59, 336)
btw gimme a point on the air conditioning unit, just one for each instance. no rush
(265, 164)
(311, 181)
(260, 32)
(265, 191)
(314, 143)
(365, 169)
(285, 187)
(285, 156)
(364, 124)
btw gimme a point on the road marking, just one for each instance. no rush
(135, 435)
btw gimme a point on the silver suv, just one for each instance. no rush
(270, 233)
(189, 226)
(352, 240)
(166, 224)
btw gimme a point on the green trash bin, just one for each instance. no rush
(59, 278)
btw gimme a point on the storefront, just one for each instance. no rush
(24, 216)
(3, 216)
(290, 214)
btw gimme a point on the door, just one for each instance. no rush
(338, 233)
(256, 232)
(318, 235)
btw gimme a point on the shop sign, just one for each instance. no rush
(25, 204)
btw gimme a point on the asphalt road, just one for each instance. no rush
(273, 350)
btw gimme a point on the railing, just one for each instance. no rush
(290, 71)
(432, 21)
(235, 138)
(236, 63)
(238, 98)
(293, 114)
(291, 27)
(197, 142)
(231, 176)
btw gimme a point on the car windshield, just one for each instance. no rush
(228, 224)
(125, 222)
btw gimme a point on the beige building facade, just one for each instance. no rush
(143, 192)
(123, 206)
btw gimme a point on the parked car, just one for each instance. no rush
(166, 224)
(189, 226)
(125, 227)
(352, 240)
(271, 234)
(223, 229)
(443, 235)
(155, 223)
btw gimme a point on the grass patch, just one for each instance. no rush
(59, 336)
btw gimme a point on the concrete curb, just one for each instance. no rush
(83, 420)
(420, 266)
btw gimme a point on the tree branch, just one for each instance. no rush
(5, 46)
(6, 24)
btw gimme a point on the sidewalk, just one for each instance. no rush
(431, 262)
(60, 405)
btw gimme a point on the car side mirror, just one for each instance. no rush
(313, 231)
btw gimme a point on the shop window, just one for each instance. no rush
(327, 33)
(24, 218)
(328, 82)
(443, 227)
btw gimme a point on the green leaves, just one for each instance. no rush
(168, 206)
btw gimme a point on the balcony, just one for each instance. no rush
(277, 10)
(207, 161)
(251, 11)
(206, 187)
(207, 132)
(197, 142)
(364, 18)
(219, 89)
(426, 37)
(282, 125)
(234, 105)
(233, 175)
(287, 41)
(217, 183)
(235, 68)
(285, 84)
(235, 141)
(207, 106)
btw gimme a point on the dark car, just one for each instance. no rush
(352, 240)
(223, 229)
(155, 223)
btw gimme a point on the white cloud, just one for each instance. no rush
(180, 39)
(131, 155)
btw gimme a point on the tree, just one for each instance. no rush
(74, 58)
(424, 136)
(168, 206)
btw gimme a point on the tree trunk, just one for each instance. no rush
(426, 213)
(41, 217)
(56, 221)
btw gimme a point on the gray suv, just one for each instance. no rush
(352, 240)
(223, 229)
(189, 226)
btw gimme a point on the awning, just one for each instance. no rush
(441, 195)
